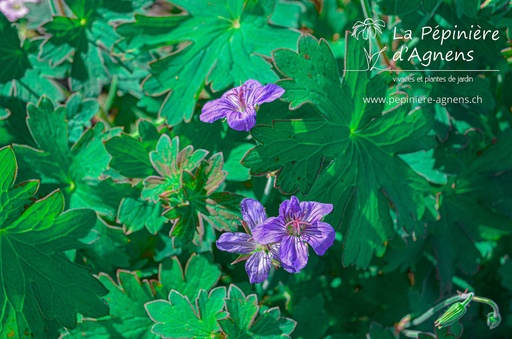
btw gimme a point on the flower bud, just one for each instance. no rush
(452, 315)
(493, 320)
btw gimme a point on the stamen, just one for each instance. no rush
(296, 226)
(239, 100)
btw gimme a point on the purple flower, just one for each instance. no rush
(14, 9)
(239, 105)
(259, 257)
(297, 225)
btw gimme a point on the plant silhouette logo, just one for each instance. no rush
(368, 30)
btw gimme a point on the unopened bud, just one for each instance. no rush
(493, 320)
(452, 315)
(455, 312)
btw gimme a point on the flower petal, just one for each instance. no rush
(268, 93)
(252, 85)
(216, 109)
(242, 121)
(320, 236)
(236, 242)
(253, 212)
(270, 231)
(293, 254)
(289, 208)
(257, 267)
(313, 211)
(231, 93)
(246, 91)
(273, 252)
(13, 9)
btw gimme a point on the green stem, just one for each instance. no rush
(284, 297)
(107, 104)
(267, 190)
(53, 8)
(365, 5)
(415, 334)
(159, 121)
(494, 318)
(489, 302)
(433, 310)
(381, 46)
(466, 298)
(112, 93)
(60, 6)
(367, 10)
(105, 118)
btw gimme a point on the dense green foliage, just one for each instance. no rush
(113, 191)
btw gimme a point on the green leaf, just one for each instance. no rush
(379, 332)
(187, 186)
(423, 163)
(4, 114)
(396, 7)
(473, 206)
(77, 171)
(79, 113)
(468, 8)
(452, 332)
(128, 317)
(237, 172)
(234, 37)
(136, 213)
(14, 127)
(129, 157)
(170, 163)
(68, 37)
(348, 156)
(75, 38)
(178, 318)
(243, 322)
(13, 56)
(199, 274)
(22, 77)
(220, 209)
(39, 284)
(107, 250)
(310, 325)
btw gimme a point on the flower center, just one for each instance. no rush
(239, 98)
(296, 226)
(262, 248)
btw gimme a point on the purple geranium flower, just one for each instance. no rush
(259, 257)
(239, 105)
(297, 225)
(14, 9)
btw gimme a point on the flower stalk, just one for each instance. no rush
(457, 306)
